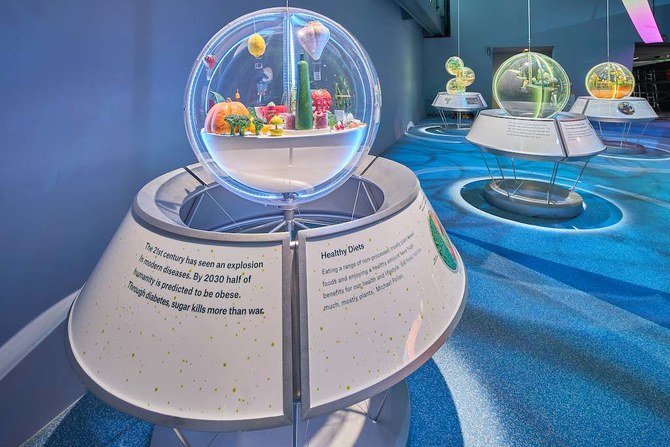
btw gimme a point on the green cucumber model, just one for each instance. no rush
(304, 120)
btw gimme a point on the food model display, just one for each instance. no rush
(531, 85)
(610, 80)
(281, 105)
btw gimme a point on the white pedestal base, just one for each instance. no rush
(533, 198)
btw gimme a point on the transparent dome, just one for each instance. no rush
(453, 65)
(454, 87)
(531, 85)
(465, 77)
(610, 80)
(281, 105)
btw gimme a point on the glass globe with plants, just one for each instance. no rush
(531, 85)
(466, 76)
(610, 80)
(454, 65)
(454, 87)
(281, 106)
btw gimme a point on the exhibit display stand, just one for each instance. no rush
(532, 90)
(459, 103)
(288, 277)
(455, 99)
(610, 85)
(625, 112)
(193, 328)
(565, 137)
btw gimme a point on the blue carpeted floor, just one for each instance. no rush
(565, 340)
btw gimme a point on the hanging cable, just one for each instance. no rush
(458, 26)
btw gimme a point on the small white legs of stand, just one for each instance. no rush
(623, 144)
(181, 437)
(533, 198)
(382, 421)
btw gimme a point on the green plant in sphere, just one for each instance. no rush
(454, 65)
(610, 80)
(465, 77)
(453, 87)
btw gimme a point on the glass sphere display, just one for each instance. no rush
(465, 77)
(281, 105)
(454, 87)
(610, 80)
(454, 65)
(531, 85)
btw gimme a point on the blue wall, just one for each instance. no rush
(576, 29)
(91, 109)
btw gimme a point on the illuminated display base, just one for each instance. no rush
(534, 198)
(566, 137)
(626, 112)
(208, 312)
(467, 102)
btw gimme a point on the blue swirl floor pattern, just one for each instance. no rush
(565, 340)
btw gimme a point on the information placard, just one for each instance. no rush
(579, 137)
(442, 100)
(516, 136)
(579, 105)
(376, 300)
(185, 327)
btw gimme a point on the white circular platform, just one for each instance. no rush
(213, 313)
(534, 198)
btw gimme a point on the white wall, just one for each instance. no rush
(91, 99)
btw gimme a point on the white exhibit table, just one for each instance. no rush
(198, 316)
(459, 103)
(567, 137)
(626, 111)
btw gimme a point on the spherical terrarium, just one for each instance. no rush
(466, 76)
(454, 65)
(610, 80)
(454, 87)
(281, 105)
(531, 85)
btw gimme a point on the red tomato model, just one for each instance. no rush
(321, 100)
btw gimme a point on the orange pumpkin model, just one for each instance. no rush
(216, 117)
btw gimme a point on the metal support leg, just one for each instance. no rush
(358, 190)
(181, 437)
(371, 199)
(642, 133)
(502, 174)
(579, 177)
(481, 152)
(289, 216)
(194, 209)
(551, 183)
(623, 135)
(298, 440)
(377, 405)
(600, 126)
